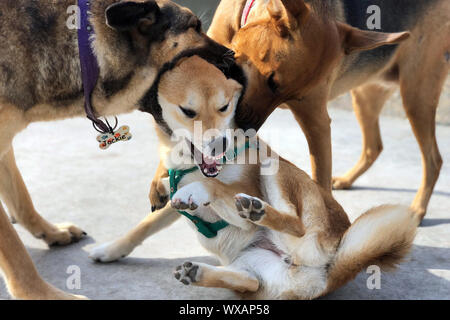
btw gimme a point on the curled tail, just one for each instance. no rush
(382, 236)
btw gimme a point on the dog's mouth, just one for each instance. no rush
(210, 166)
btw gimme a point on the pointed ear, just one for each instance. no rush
(123, 16)
(297, 8)
(359, 40)
(287, 14)
(279, 17)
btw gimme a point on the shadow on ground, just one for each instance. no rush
(421, 276)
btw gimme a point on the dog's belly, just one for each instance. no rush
(228, 244)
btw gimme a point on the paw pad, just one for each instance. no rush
(249, 207)
(181, 205)
(186, 273)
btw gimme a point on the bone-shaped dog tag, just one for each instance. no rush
(107, 139)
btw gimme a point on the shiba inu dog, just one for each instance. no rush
(41, 80)
(278, 235)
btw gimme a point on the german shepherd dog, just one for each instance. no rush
(40, 80)
(287, 238)
(306, 52)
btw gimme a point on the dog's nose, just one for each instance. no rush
(218, 146)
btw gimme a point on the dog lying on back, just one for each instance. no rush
(281, 235)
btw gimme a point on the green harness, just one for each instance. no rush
(208, 229)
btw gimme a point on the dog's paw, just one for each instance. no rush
(341, 184)
(60, 234)
(109, 252)
(190, 197)
(158, 194)
(250, 208)
(187, 273)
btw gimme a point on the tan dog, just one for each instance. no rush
(40, 80)
(305, 53)
(287, 238)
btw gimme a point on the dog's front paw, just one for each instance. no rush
(109, 252)
(249, 207)
(187, 273)
(158, 194)
(190, 197)
(60, 234)
(341, 183)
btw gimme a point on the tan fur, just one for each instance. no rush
(40, 80)
(222, 277)
(287, 237)
(384, 251)
(205, 105)
(312, 67)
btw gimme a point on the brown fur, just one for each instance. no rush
(40, 80)
(314, 64)
(282, 219)
(346, 267)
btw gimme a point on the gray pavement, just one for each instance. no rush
(105, 193)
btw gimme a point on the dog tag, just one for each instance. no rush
(108, 139)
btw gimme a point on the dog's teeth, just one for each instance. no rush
(205, 171)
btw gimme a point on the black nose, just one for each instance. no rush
(218, 146)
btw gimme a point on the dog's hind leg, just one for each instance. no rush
(203, 275)
(368, 101)
(420, 99)
(22, 278)
(18, 201)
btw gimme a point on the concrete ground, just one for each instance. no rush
(105, 192)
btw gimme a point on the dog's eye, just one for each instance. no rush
(224, 109)
(273, 86)
(189, 113)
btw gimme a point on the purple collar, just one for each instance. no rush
(89, 66)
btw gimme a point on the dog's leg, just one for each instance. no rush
(22, 278)
(420, 99)
(122, 247)
(223, 200)
(159, 196)
(261, 213)
(15, 195)
(312, 115)
(368, 101)
(203, 275)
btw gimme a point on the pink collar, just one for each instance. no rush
(248, 7)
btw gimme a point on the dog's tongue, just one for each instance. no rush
(210, 167)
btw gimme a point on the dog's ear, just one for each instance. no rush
(297, 8)
(123, 16)
(287, 14)
(354, 40)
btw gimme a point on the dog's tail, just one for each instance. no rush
(382, 237)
